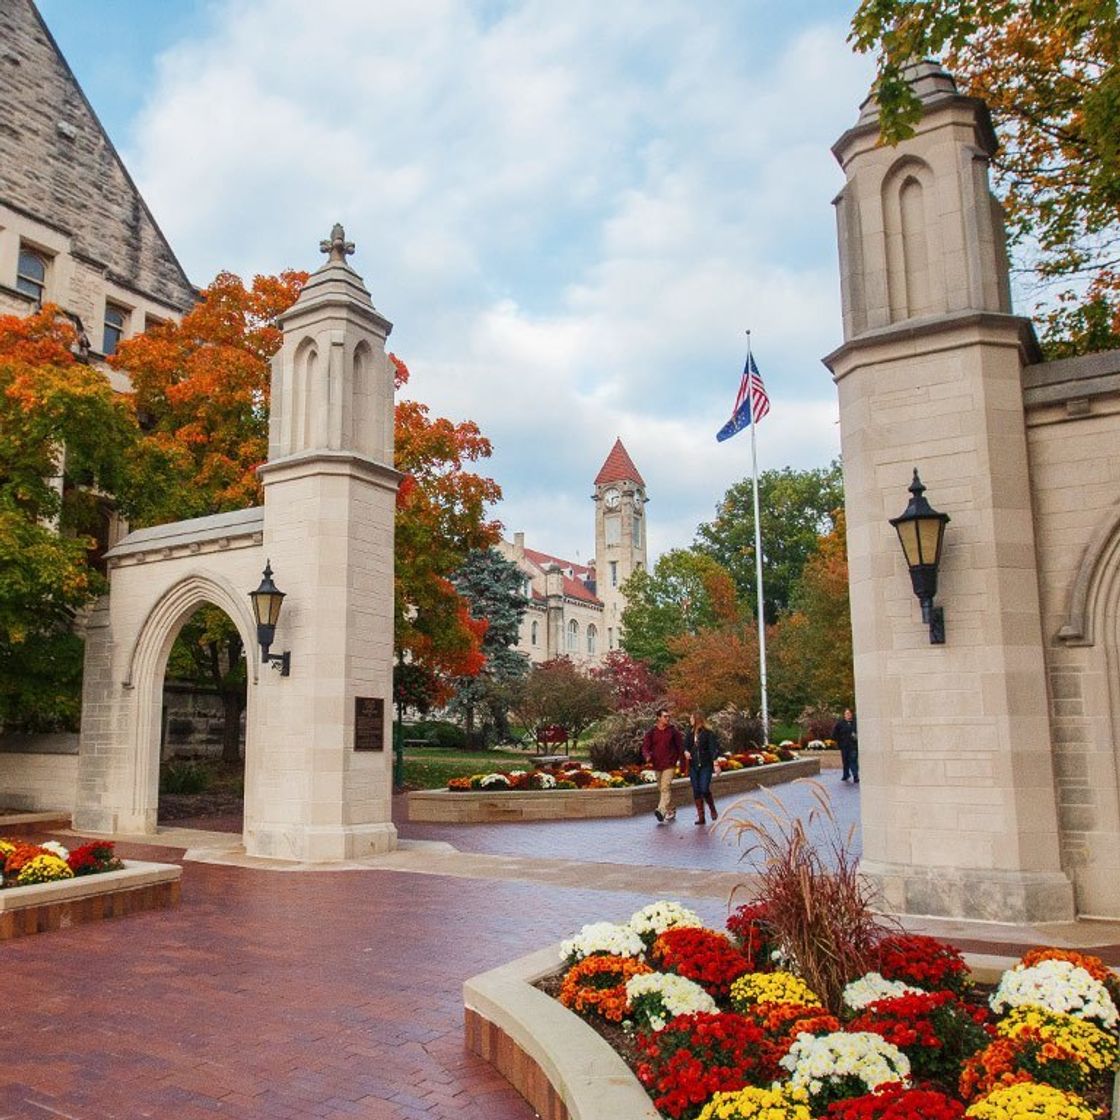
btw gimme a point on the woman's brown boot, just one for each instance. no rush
(700, 812)
(712, 806)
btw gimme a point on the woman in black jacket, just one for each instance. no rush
(701, 748)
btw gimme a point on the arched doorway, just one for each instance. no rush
(202, 761)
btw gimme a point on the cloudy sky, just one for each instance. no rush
(571, 212)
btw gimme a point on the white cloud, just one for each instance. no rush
(571, 213)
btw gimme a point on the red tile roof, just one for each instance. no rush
(619, 467)
(544, 560)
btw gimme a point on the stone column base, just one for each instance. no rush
(988, 895)
(320, 843)
(110, 822)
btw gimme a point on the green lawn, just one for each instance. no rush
(431, 768)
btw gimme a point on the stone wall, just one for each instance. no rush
(1073, 436)
(58, 166)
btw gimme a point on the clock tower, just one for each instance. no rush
(620, 535)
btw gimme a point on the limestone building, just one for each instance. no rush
(990, 763)
(74, 230)
(575, 610)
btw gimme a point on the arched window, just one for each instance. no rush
(31, 274)
(533, 631)
(610, 637)
(592, 637)
(573, 636)
(115, 318)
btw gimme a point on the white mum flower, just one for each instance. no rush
(57, 848)
(871, 987)
(547, 781)
(673, 995)
(657, 917)
(1058, 986)
(649, 775)
(494, 781)
(603, 937)
(813, 1061)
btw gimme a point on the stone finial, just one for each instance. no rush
(338, 247)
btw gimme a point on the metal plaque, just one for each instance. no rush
(369, 723)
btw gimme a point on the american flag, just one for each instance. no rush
(751, 402)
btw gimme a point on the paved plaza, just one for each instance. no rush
(289, 993)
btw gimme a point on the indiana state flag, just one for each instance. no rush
(752, 403)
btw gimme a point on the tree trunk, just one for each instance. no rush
(233, 704)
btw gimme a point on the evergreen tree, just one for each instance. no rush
(493, 588)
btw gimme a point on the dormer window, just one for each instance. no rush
(115, 320)
(31, 274)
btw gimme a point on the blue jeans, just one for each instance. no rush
(849, 757)
(701, 778)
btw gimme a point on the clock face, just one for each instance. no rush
(611, 499)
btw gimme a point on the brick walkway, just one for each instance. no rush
(325, 994)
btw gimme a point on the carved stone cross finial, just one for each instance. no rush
(338, 247)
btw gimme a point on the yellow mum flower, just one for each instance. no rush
(1093, 1048)
(772, 987)
(778, 1103)
(1028, 1100)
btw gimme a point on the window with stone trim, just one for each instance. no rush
(533, 633)
(573, 636)
(592, 637)
(31, 274)
(116, 319)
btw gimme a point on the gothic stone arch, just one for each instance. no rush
(159, 578)
(316, 788)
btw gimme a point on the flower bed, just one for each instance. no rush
(47, 886)
(581, 775)
(587, 794)
(915, 1040)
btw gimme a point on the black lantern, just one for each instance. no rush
(921, 531)
(267, 600)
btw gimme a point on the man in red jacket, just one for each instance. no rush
(663, 749)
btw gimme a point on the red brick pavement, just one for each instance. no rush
(275, 995)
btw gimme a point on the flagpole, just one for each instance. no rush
(758, 559)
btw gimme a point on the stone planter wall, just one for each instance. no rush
(89, 898)
(445, 807)
(556, 1061)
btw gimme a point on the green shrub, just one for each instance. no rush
(438, 733)
(184, 777)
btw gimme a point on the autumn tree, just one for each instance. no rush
(201, 391)
(811, 648)
(796, 507)
(65, 438)
(686, 592)
(441, 520)
(1050, 73)
(493, 588)
(632, 683)
(716, 667)
(557, 693)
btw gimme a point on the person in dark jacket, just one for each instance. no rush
(663, 751)
(701, 748)
(848, 741)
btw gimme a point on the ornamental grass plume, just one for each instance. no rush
(817, 905)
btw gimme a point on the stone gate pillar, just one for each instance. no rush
(321, 768)
(959, 814)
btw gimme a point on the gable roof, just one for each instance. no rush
(544, 560)
(619, 467)
(58, 165)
